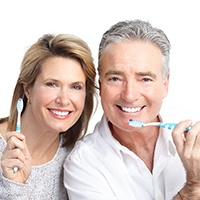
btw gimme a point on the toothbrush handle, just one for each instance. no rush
(15, 169)
(187, 129)
(18, 128)
(171, 126)
(18, 122)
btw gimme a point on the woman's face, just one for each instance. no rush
(57, 97)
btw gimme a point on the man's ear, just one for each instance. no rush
(99, 87)
(166, 86)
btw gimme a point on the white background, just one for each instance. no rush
(23, 22)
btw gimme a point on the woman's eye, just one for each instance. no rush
(77, 87)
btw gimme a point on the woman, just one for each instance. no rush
(57, 85)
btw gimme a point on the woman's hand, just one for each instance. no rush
(16, 154)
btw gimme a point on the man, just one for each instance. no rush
(122, 162)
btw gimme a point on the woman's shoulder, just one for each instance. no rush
(3, 127)
(3, 130)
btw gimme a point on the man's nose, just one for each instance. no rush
(131, 92)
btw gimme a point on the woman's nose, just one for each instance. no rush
(63, 97)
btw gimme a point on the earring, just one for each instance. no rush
(29, 101)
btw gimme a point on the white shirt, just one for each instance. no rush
(100, 168)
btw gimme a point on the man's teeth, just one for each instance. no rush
(131, 110)
(56, 112)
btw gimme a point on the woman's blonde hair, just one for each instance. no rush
(48, 46)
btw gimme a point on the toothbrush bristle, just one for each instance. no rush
(20, 104)
(135, 123)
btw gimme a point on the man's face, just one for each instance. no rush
(131, 84)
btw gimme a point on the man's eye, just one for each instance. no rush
(146, 79)
(113, 79)
(51, 84)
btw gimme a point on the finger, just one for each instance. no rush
(13, 154)
(195, 132)
(192, 139)
(196, 148)
(178, 134)
(14, 142)
(16, 145)
(9, 164)
(18, 135)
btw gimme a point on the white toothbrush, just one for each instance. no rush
(20, 105)
(138, 123)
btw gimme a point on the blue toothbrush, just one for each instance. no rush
(138, 123)
(20, 106)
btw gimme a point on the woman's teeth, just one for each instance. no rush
(60, 113)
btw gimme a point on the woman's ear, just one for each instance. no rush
(27, 91)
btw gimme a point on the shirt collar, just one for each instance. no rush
(108, 137)
(164, 142)
(165, 137)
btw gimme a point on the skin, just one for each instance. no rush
(132, 71)
(56, 102)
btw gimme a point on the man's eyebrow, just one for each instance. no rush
(118, 72)
(146, 74)
(113, 72)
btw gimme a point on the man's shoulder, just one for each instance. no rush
(84, 145)
(92, 144)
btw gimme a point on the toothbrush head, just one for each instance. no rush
(20, 105)
(135, 123)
